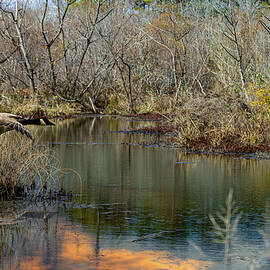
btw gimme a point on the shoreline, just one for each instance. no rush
(165, 129)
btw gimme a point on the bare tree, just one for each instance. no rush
(233, 44)
(88, 36)
(50, 41)
(16, 16)
(265, 22)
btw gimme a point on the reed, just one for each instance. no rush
(25, 167)
(225, 226)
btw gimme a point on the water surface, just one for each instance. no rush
(140, 206)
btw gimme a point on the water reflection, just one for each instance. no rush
(129, 191)
(58, 243)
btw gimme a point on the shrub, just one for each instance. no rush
(259, 93)
(25, 167)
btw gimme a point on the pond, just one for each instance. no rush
(139, 206)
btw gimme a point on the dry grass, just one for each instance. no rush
(226, 225)
(26, 167)
(21, 102)
(119, 104)
(222, 124)
(163, 104)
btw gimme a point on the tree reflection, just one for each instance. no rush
(43, 239)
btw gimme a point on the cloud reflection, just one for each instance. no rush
(78, 250)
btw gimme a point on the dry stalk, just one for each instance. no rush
(25, 164)
(226, 228)
(223, 125)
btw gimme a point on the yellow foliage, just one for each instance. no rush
(259, 93)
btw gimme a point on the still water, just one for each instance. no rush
(139, 206)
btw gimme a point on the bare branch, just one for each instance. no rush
(7, 57)
(266, 27)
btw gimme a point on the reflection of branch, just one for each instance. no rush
(10, 222)
(149, 236)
